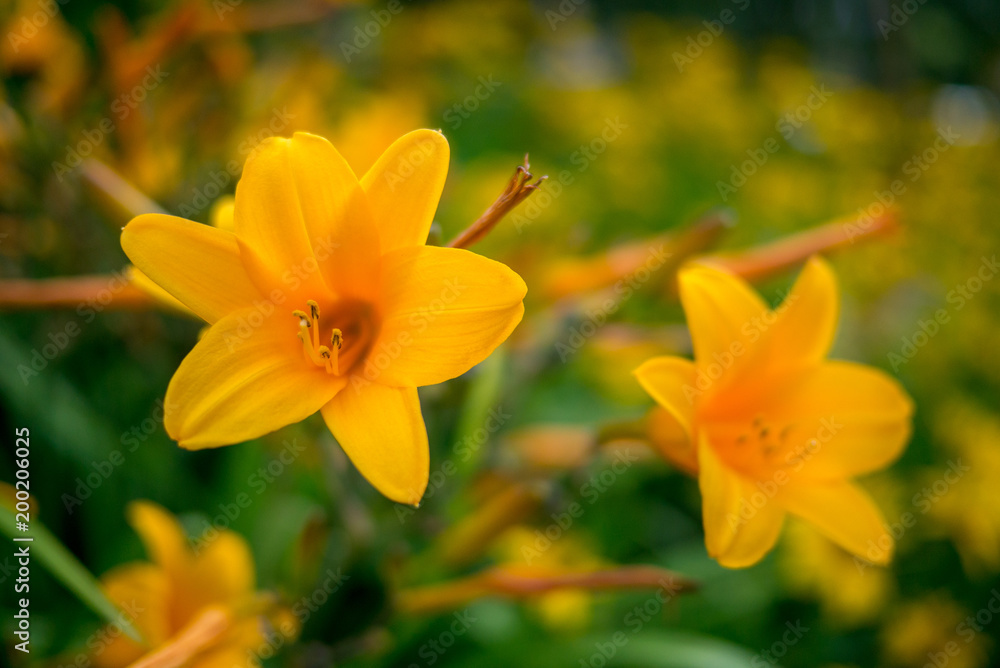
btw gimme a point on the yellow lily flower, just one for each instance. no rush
(326, 298)
(193, 610)
(770, 425)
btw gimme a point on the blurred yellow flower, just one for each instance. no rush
(974, 436)
(566, 609)
(193, 610)
(771, 425)
(933, 631)
(325, 298)
(815, 567)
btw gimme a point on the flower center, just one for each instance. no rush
(336, 349)
(762, 449)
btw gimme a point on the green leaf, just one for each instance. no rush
(60, 562)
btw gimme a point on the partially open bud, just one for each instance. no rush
(518, 189)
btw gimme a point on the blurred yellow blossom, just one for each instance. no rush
(774, 426)
(193, 610)
(815, 567)
(933, 631)
(968, 512)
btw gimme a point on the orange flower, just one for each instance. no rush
(769, 424)
(325, 298)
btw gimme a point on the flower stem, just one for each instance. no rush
(774, 257)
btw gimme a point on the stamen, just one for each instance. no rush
(314, 312)
(324, 353)
(337, 342)
(323, 356)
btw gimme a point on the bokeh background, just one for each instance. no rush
(637, 111)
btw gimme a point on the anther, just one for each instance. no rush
(337, 342)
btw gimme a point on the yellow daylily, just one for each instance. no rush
(769, 425)
(192, 610)
(326, 298)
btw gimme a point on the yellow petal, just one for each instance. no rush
(741, 521)
(161, 535)
(142, 593)
(382, 430)
(146, 284)
(303, 221)
(807, 318)
(845, 514)
(231, 655)
(444, 311)
(725, 317)
(197, 264)
(670, 381)
(222, 573)
(404, 186)
(847, 419)
(246, 377)
(227, 561)
(672, 440)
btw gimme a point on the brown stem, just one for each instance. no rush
(518, 582)
(518, 189)
(774, 257)
(111, 292)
